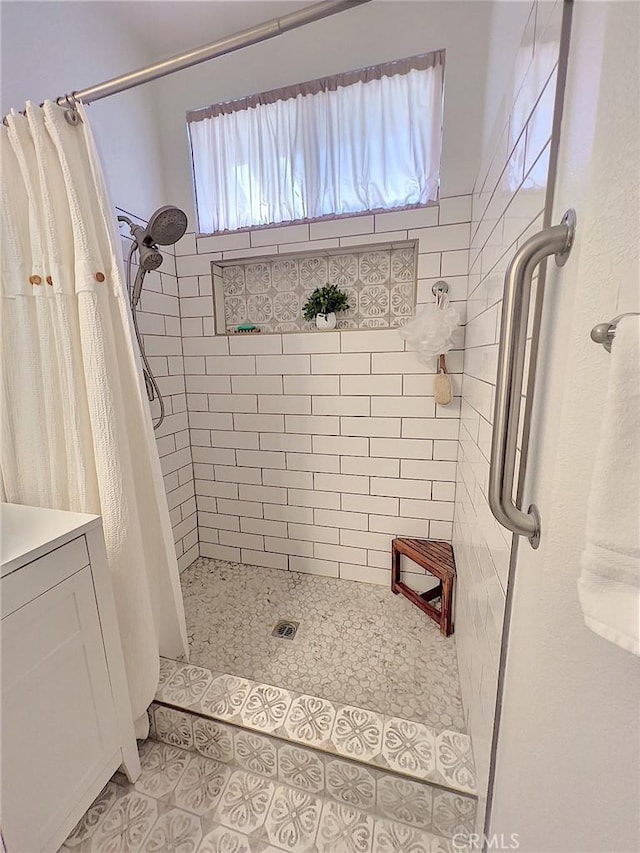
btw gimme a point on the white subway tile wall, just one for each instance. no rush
(299, 439)
(161, 330)
(508, 205)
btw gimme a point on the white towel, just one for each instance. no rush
(609, 586)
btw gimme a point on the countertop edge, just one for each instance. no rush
(39, 550)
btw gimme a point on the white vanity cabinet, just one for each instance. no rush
(66, 718)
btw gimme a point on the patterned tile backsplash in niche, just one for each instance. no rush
(270, 293)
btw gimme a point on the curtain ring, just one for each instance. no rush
(71, 113)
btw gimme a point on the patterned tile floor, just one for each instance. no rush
(186, 801)
(358, 644)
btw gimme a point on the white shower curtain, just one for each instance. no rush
(76, 431)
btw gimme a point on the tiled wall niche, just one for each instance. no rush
(508, 207)
(270, 292)
(311, 451)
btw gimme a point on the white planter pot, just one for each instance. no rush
(326, 321)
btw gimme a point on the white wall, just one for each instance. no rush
(508, 205)
(568, 765)
(377, 32)
(51, 48)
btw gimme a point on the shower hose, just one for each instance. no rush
(150, 382)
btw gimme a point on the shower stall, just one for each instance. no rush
(294, 702)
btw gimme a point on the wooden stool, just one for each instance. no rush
(436, 558)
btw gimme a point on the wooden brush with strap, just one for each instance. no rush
(442, 384)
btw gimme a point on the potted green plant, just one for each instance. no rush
(322, 305)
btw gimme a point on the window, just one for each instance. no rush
(360, 141)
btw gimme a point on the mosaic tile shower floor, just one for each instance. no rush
(357, 644)
(186, 802)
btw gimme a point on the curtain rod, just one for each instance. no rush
(245, 38)
(228, 44)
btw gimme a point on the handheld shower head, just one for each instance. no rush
(167, 225)
(150, 257)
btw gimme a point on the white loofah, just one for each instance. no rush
(431, 331)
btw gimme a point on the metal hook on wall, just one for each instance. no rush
(440, 290)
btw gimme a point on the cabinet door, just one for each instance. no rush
(58, 719)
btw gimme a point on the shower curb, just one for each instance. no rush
(213, 738)
(390, 744)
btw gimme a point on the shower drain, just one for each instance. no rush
(285, 629)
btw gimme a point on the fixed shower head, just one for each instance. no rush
(167, 225)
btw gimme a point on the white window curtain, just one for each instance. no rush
(76, 430)
(366, 140)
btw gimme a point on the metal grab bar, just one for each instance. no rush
(556, 240)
